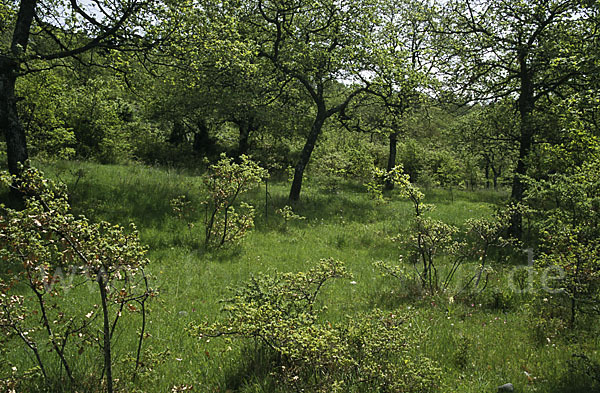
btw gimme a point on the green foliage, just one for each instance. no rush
(576, 138)
(445, 169)
(226, 181)
(539, 47)
(373, 349)
(569, 209)
(182, 207)
(428, 239)
(69, 115)
(55, 257)
(287, 213)
(101, 121)
(484, 138)
(6, 14)
(584, 372)
(330, 169)
(342, 156)
(379, 179)
(44, 109)
(483, 236)
(413, 158)
(461, 354)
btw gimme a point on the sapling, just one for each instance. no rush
(226, 181)
(287, 213)
(44, 240)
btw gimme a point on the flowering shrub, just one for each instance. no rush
(56, 256)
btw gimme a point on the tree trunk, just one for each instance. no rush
(246, 127)
(526, 103)
(16, 143)
(203, 143)
(106, 331)
(496, 174)
(14, 133)
(389, 185)
(309, 146)
(243, 141)
(177, 133)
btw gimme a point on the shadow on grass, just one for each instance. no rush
(124, 203)
(393, 294)
(225, 254)
(57, 384)
(582, 375)
(446, 196)
(253, 371)
(121, 194)
(330, 207)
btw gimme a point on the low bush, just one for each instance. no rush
(225, 182)
(372, 351)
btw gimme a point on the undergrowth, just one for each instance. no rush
(478, 340)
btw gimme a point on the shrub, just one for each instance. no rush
(584, 372)
(56, 257)
(226, 181)
(330, 169)
(279, 311)
(342, 156)
(381, 177)
(484, 235)
(568, 206)
(182, 208)
(428, 239)
(287, 213)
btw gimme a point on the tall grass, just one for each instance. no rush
(480, 344)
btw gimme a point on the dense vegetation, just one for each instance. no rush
(318, 196)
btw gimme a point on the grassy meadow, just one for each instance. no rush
(479, 343)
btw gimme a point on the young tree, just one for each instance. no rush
(46, 240)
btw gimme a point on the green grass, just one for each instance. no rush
(479, 344)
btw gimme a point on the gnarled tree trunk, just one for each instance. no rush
(309, 146)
